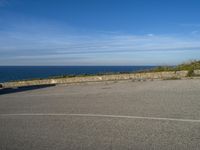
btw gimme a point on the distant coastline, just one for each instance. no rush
(21, 73)
(185, 70)
(142, 76)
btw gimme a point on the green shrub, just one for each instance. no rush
(190, 73)
(190, 67)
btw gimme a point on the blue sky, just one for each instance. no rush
(99, 32)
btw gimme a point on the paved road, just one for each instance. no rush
(103, 116)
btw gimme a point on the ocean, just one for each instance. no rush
(14, 73)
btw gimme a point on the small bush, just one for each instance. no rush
(190, 73)
(190, 67)
(163, 68)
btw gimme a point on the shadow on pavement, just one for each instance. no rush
(24, 88)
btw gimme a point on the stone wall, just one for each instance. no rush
(133, 76)
(197, 72)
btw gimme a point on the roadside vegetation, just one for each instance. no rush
(189, 66)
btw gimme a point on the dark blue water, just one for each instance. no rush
(13, 73)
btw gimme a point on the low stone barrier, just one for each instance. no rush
(197, 72)
(136, 76)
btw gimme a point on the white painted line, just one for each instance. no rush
(103, 116)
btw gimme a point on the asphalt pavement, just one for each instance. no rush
(104, 116)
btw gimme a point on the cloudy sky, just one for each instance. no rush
(99, 32)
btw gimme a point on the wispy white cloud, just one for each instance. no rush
(190, 24)
(150, 34)
(41, 43)
(195, 32)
